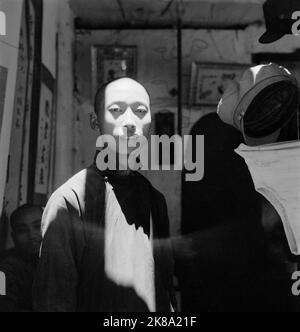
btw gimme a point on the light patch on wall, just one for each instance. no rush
(2, 24)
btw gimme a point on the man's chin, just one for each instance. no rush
(126, 150)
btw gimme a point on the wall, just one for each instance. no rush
(50, 29)
(157, 70)
(13, 179)
(16, 189)
(63, 168)
(10, 71)
(9, 52)
(57, 57)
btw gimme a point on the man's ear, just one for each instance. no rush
(94, 122)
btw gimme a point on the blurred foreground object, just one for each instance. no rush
(261, 104)
(275, 172)
(278, 17)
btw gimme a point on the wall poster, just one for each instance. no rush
(210, 80)
(110, 62)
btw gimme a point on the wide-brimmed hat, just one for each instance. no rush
(278, 19)
(261, 103)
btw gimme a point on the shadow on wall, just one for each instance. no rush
(223, 215)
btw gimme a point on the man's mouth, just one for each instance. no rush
(129, 137)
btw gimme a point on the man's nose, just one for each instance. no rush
(129, 123)
(130, 129)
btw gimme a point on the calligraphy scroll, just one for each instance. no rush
(43, 157)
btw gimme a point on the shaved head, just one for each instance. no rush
(123, 110)
(100, 95)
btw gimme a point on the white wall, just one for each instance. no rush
(64, 114)
(50, 28)
(9, 51)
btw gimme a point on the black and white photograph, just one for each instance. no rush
(149, 159)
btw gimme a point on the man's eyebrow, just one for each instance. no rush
(139, 102)
(117, 103)
(124, 103)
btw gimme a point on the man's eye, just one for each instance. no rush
(115, 109)
(142, 109)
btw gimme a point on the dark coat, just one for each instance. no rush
(71, 274)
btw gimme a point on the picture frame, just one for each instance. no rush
(110, 62)
(210, 80)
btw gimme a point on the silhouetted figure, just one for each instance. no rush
(223, 215)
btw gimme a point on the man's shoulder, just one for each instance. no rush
(74, 199)
(87, 180)
(80, 196)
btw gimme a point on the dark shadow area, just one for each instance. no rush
(19, 264)
(223, 216)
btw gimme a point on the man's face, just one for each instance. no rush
(126, 113)
(27, 232)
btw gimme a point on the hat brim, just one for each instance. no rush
(270, 37)
(270, 139)
(245, 102)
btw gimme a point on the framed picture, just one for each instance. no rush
(209, 81)
(111, 62)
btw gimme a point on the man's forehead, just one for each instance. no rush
(127, 91)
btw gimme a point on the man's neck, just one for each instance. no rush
(123, 172)
(121, 165)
